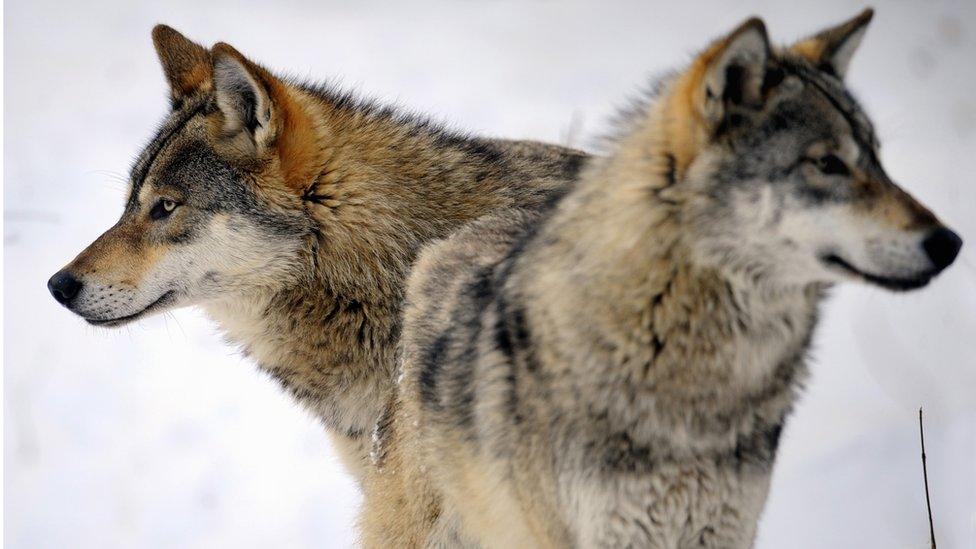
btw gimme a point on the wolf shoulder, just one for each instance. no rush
(445, 266)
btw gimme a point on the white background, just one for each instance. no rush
(158, 435)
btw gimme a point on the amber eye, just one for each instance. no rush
(162, 208)
(831, 164)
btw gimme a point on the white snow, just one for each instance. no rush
(158, 435)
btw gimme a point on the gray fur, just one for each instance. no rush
(617, 371)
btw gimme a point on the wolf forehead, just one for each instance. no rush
(833, 92)
(817, 89)
(180, 158)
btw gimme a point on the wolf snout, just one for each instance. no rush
(64, 287)
(942, 246)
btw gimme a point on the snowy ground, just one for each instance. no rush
(159, 436)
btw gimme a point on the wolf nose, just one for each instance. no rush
(64, 287)
(942, 247)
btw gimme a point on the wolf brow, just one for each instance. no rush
(157, 145)
(861, 135)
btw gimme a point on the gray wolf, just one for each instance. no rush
(616, 371)
(291, 212)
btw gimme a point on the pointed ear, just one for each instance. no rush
(733, 69)
(186, 64)
(831, 50)
(243, 94)
(261, 114)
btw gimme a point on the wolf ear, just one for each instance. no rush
(243, 95)
(186, 64)
(733, 71)
(260, 113)
(831, 49)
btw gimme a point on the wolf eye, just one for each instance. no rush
(162, 209)
(831, 164)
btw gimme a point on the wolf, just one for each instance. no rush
(616, 371)
(290, 212)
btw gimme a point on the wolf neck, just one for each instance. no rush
(385, 187)
(621, 248)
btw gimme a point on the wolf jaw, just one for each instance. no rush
(617, 372)
(291, 214)
(890, 283)
(160, 304)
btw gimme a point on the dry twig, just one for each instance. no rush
(925, 475)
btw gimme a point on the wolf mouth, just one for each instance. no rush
(163, 300)
(891, 283)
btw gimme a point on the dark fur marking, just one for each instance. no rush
(758, 449)
(814, 196)
(156, 146)
(433, 363)
(672, 175)
(657, 344)
(774, 76)
(735, 80)
(622, 455)
(503, 340)
(461, 375)
(462, 388)
(362, 334)
(487, 151)
(483, 174)
(572, 168)
(182, 237)
(841, 100)
(480, 290)
(249, 112)
(828, 68)
(513, 339)
(523, 338)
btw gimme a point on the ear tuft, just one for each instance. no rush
(186, 64)
(831, 50)
(242, 95)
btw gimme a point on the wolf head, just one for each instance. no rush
(215, 204)
(779, 168)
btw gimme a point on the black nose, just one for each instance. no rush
(64, 287)
(942, 246)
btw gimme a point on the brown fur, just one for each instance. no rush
(121, 256)
(365, 186)
(186, 64)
